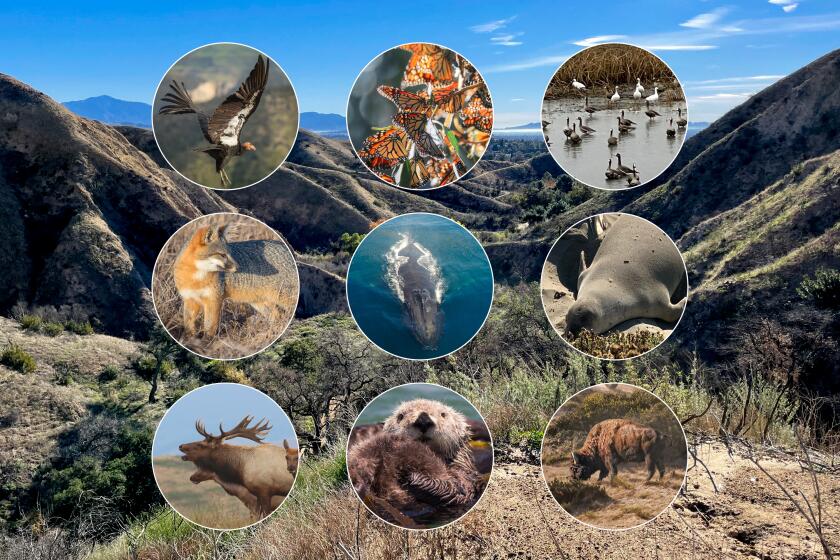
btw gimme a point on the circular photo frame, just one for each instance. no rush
(614, 286)
(225, 286)
(419, 116)
(614, 456)
(419, 456)
(207, 478)
(225, 116)
(420, 286)
(614, 116)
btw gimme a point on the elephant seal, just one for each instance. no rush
(635, 274)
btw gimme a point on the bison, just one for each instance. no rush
(611, 442)
(260, 476)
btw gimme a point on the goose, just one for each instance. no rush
(612, 140)
(615, 97)
(650, 112)
(623, 168)
(568, 130)
(639, 87)
(587, 108)
(574, 138)
(577, 85)
(585, 129)
(635, 171)
(613, 173)
(681, 122)
(637, 94)
(670, 131)
(623, 127)
(626, 122)
(655, 97)
(632, 181)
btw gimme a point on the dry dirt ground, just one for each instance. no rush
(748, 517)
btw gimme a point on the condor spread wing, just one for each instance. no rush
(229, 117)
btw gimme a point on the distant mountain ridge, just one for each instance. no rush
(110, 110)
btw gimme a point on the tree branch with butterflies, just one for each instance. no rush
(441, 125)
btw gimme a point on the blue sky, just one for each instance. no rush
(722, 52)
(227, 403)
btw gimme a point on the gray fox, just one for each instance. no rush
(210, 269)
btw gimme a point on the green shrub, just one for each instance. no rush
(79, 327)
(18, 359)
(31, 322)
(64, 373)
(51, 328)
(823, 289)
(109, 373)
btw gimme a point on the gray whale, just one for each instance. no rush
(417, 286)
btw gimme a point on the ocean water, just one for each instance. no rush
(382, 406)
(461, 280)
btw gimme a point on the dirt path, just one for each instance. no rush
(748, 518)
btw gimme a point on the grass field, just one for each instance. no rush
(206, 503)
(626, 502)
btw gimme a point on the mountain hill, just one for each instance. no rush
(323, 122)
(109, 110)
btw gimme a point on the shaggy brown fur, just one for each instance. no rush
(418, 466)
(615, 441)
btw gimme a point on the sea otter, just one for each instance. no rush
(419, 468)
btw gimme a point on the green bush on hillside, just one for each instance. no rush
(52, 328)
(79, 327)
(29, 322)
(823, 289)
(16, 358)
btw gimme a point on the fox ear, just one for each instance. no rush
(202, 235)
(212, 234)
(285, 444)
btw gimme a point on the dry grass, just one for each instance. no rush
(340, 521)
(206, 504)
(242, 331)
(625, 502)
(614, 65)
(616, 345)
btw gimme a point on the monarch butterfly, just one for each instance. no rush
(419, 173)
(444, 171)
(385, 149)
(477, 115)
(450, 99)
(428, 64)
(414, 124)
(406, 101)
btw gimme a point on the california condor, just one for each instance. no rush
(223, 128)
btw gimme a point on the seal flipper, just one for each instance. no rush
(675, 310)
(445, 492)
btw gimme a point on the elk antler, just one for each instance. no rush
(256, 433)
(199, 427)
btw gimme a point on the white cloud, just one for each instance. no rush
(722, 96)
(506, 40)
(759, 78)
(676, 47)
(491, 26)
(554, 60)
(787, 5)
(598, 39)
(517, 99)
(705, 21)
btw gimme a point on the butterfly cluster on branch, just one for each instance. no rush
(443, 119)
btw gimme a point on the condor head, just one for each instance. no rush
(582, 466)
